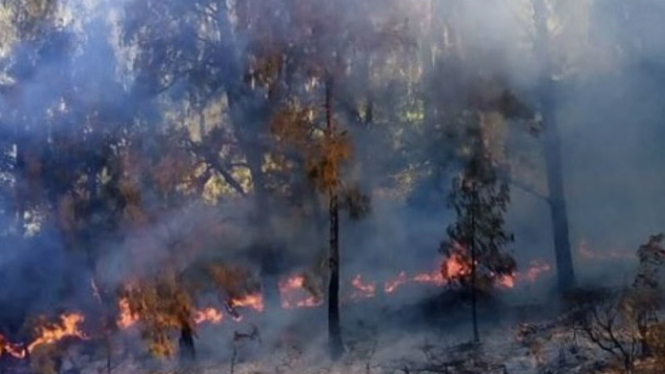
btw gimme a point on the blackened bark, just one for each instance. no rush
(270, 277)
(186, 344)
(552, 152)
(334, 328)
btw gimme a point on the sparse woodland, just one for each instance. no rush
(236, 186)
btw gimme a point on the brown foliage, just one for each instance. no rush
(232, 280)
(163, 306)
(323, 167)
(46, 359)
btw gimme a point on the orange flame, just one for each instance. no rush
(126, 318)
(434, 277)
(506, 281)
(294, 295)
(362, 290)
(210, 314)
(456, 265)
(391, 285)
(12, 349)
(536, 269)
(254, 301)
(69, 327)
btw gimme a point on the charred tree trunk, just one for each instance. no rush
(552, 152)
(334, 328)
(186, 344)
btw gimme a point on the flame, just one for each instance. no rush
(391, 285)
(456, 266)
(209, 314)
(536, 269)
(254, 301)
(452, 267)
(12, 349)
(126, 319)
(69, 327)
(434, 277)
(291, 283)
(362, 290)
(506, 281)
(294, 295)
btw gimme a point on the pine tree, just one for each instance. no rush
(478, 236)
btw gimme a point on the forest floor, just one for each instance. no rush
(514, 340)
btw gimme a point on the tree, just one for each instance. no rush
(552, 147)
(163, 305)
(478, 235)
(609, 324)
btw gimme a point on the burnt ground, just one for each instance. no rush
(404, 333)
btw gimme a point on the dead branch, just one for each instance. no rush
(604, 326)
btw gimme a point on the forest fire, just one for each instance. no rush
(362, 290)
(11, 349)
(125, 318)
(209, 314)
(455, 266)
(294, 293)
(69, 326)
(253, 301)
(536, 269)
(506, 281)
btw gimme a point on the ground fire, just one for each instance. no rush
(293, 294)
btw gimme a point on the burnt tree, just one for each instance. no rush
(334, 328)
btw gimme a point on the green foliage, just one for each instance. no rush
(480, 202)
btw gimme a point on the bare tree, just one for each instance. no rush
(607, 324)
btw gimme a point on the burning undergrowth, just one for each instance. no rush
(162, 305)
(159, 309)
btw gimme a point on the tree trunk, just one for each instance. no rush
(267, 254)
(186, 344)
(552, 152)
(250, 113)
(474, 306)
(334, 329)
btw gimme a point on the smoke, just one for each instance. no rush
(609, 109)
